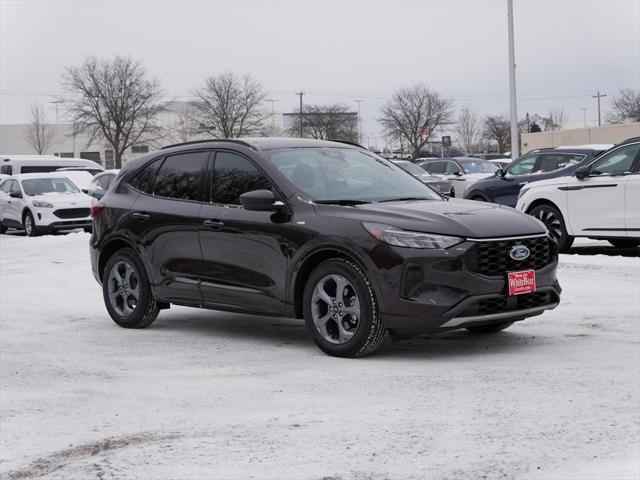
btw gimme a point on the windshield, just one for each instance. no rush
(478, 166)
(38, 186)
(335, 174)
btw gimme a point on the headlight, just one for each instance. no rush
(406, 238)
(41, 204)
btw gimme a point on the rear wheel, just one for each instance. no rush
(624, 242)
(478, 199)
(30, 228)
(552, 219)
(126, 291)
(340, 310)
(491, 328)
(3, 229)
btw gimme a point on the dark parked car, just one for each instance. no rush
(101, 183)
(318, 230)
(537, 165)
(437, 183)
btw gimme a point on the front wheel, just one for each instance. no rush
(126, 291)
(553, 220)
(29, 225)
(340, 310)
(491, 328)
(624, 242)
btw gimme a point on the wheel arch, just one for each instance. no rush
(543, 201)
(107, 251)
(308, 263)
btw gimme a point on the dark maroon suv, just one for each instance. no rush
(319, 230)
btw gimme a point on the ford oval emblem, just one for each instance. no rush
(519, 252)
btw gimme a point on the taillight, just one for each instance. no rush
(96, 208)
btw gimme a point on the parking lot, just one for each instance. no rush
(204, 394)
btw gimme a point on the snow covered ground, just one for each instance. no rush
(205, 394)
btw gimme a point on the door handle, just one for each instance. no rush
(214, 223)
(141, 217)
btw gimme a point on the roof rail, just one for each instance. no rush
(211, 140)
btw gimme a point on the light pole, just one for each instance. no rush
(515, 143)
(300, 93)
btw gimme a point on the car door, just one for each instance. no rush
(165, 219)
(505, 190)
(632, 200)
(596, 205)
(244, 260)
(12, 205)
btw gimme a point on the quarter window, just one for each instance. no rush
(180, 175)
(616, 162)
(143, 179)
(234, 175)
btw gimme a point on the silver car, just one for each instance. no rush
(435, 182)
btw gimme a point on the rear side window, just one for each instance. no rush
(143, 179)
(555, 161)
(234, 175)
(180, 176)
(436, 167)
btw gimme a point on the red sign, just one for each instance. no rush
(521, 282)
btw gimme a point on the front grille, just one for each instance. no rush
(72, 213)
(492, 258)
(501, 304)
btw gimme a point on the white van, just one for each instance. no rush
(17, 164)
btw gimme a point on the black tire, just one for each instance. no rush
(554, 221)
(478, 198)
(370, 329)
(3, 229)
(624, 242)
(88, 229)
(145, 310)
(490, 328)
(29, 225)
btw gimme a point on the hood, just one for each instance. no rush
(461, 218)
(64, 200)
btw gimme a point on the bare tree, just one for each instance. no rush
(327, 122)
(626, 106)
(39, 134)
(468, 129)
(229, 107)
(413, 114)
(114, 99)
(555, 120)
(498, 129)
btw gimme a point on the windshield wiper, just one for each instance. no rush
(344, 201)
(404, 199)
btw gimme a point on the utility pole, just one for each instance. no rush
(359, 121)
(584, 115)
(599, 96)
(301, 93)
(515, 142)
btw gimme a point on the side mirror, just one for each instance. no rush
(457, 173)
(500, 172)
(582, 173)
(15, 195)
(260, 201)
(84, 190)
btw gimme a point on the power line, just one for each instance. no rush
(599, 96)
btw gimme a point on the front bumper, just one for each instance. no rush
(46, 219)
(432, 290)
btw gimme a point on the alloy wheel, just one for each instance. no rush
(124, 288)
(551, 221)
(28, 225)
(335, 309)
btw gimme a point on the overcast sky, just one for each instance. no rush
(335, 51)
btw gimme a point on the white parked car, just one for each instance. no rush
(461, 171)
(43, 202)
(601, 200)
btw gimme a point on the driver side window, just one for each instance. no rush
(452, 168)
(524, 166)
(616, 162)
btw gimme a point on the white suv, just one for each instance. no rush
(601, 200)
(43, 202)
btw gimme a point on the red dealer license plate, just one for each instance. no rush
(521, 282)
